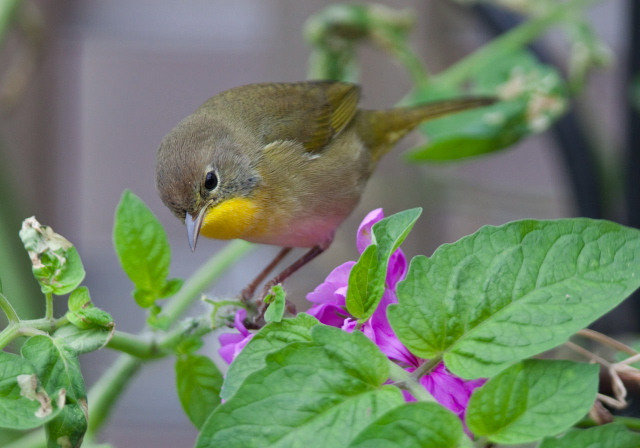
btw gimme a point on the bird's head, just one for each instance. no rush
(206, 174)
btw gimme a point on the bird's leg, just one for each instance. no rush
(306, 258)
(248, 292)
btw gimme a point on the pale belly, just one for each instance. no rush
(310, 232)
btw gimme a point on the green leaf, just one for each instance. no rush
(57, 366)
(319, 393)
(419, 425)
(143, 249)
(84, 315)
(172, 287)
(189, 345)
(55, 262)
(532, 399)
(24, 404)
(612, 435)
(85, 341)
(362, 281)
(507, 293)
(368, 276)
(271, 338)
(277, 302)
(533, 94)
(79, 298)
(67, 429)
(198, 381)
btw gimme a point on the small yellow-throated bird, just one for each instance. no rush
(280, 163)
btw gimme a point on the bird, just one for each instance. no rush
(282, 164)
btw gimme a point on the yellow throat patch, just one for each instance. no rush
(231, 219)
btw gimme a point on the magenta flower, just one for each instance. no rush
(450, 391)
(330, 309)
(329, 297)
(231, 344)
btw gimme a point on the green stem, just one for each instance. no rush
(135, 345)
(106, 392)
(508, 42)
(7, 335)
(12, 316)
(406, 381)
(48, 314)
(426, 368)
(413, 65)
(28, 328)
(208, 272)
(112, 384)
(630, 422)
(8, 11)
(34, 439)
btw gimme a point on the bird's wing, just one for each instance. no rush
(310, 113)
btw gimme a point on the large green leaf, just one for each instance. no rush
(143, 249)
(533, 96)
(198, 382)
(271, 338)
(319, 393)
(57, 366)
(532, 399)
(368, 276)
(413, 425)
(24, 403)
(507, 293)
(607, 436)
(67, 429)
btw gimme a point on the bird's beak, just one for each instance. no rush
(193, 227)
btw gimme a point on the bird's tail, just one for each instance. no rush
(380, 130)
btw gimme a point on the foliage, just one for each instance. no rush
(442, 352)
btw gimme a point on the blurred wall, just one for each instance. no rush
(119, 74)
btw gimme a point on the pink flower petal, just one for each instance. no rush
(228, 342)
(449, 390)
(363, 237)
(335, 282)
(328, 314)
(238, 321)
(378, 329)
(349, 325)
(232, 343)
(397, 268)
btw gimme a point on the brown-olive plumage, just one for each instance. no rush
(289, 161)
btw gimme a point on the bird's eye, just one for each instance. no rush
(211, 181)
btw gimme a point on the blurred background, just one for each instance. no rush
(112, 77)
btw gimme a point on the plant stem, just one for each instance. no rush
(113, 382)
(28, 328)
(12, 316)
(426, 368)
(134, 345)
(207, 273)
(7, 335)
(629, 422)
(404, 380)
(34, 439)
(508, 42)
(104, 394)
(8, 11)
(48, 314)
